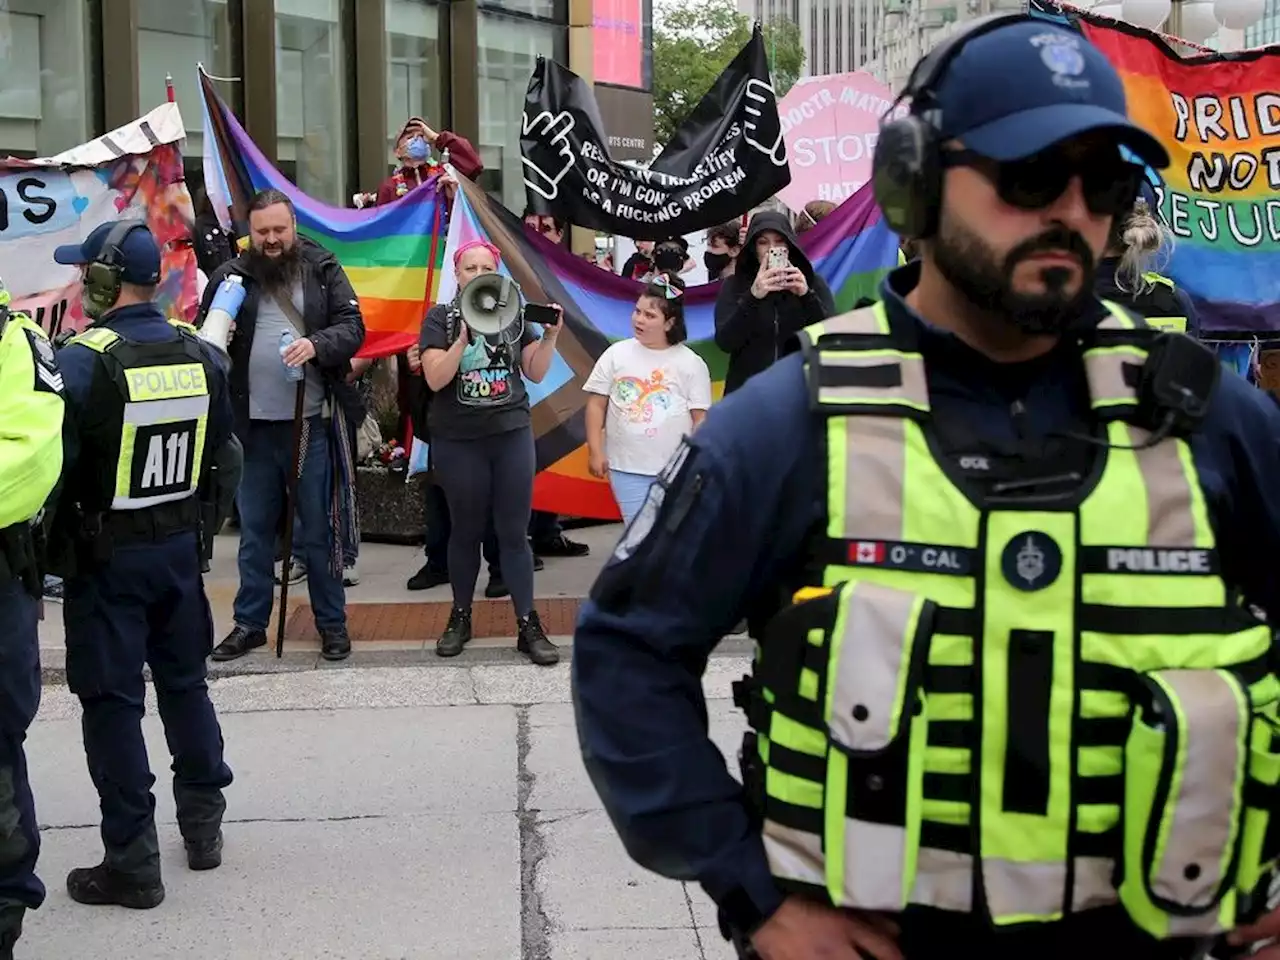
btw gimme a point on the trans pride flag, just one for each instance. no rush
(391, 254)
(1217, 116)
(851, 249)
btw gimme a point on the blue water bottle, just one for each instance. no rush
(293, 374)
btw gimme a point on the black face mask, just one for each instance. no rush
(715, 262)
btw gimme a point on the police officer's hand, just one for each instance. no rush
(299, 352)
(1266, 928)
(804, 930)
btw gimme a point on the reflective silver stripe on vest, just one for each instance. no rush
(794, 854)
(876, 632)
(875, 855)
(944, 879)
(150, 412)
(868, 320)
(1214, 709)
(913, 390)
(1104, 367)
(1171, 519)
(875, 458)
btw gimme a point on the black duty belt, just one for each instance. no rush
(151, 524)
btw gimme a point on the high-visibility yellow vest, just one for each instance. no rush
(1061, 705)
(149, 414)
(1176, 324)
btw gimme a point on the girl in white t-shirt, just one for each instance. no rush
(646, 394)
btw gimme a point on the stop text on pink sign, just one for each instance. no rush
(831, 125)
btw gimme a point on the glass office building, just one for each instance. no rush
(322, 86)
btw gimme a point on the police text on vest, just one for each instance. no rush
(1157, 560)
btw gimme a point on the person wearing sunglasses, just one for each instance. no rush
(997, 542)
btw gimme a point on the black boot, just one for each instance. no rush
(533, 642)
(335, 644)
(239, 642)
(101, 886)
(204, 854)
(457, 633)
(10, 929)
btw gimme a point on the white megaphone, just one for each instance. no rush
(490, 306)
(216, 328)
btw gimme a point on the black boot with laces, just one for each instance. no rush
(457, 633)
(533, 642)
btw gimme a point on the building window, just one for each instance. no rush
(49, 77)
(509, 48)
(545, 9)
(311, 88)
(415, 66)
(174, 36)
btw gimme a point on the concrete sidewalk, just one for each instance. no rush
(380, 814)
(384, 570)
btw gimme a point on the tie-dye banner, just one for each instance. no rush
(391, 254)
(851, 248)
(1219, 118)
(133, 173)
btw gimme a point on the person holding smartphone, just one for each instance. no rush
(772, 293)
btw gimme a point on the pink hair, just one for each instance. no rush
(471, 245)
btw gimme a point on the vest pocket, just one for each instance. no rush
(1260, 835)
(1186, 758)
(844, 819)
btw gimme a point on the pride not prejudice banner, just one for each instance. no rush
(1218, 115)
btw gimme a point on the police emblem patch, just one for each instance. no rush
(1031, 561)
(646, 518)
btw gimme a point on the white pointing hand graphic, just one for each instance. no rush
(552, 156)
(759, 128)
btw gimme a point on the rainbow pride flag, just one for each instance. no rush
(392, 254)
(851, 249)
(1220, 195)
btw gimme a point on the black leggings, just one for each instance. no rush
(489, 476)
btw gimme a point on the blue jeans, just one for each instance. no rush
(629, 489)
(261, 499)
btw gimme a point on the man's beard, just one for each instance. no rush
(274, 273)
(970, 266)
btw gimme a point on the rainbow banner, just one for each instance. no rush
(1218, 117)
(392, 254)
(851, 249)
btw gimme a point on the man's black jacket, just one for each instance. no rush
(331, 315)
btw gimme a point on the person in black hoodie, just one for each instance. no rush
(758, 308)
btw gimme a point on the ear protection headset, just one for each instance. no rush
(906, 169)
(102, 275)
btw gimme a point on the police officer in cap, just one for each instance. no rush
(993, 535)
(31, 409)
(148, 416)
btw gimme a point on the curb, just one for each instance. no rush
(259, 664)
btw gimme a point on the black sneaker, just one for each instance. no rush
(533, 642)
(428, 577)
(334, 643)
(204, 854)
(560, 546)
(101, 886)
(457, 633)
(239, 642)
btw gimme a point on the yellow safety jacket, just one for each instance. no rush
(1174, 323)
(148, 417)
(1061, 707)
(31, 411)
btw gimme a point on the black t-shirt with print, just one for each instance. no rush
(488, 395)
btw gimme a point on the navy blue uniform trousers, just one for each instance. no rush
(19, 700)
(147, 606)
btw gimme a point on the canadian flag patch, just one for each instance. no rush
(866, 551)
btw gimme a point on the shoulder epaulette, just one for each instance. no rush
(98, 339)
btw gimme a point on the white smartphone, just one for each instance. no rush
(779, 258)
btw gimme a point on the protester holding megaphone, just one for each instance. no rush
(475, 350)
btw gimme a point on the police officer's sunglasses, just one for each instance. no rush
(1109, 183)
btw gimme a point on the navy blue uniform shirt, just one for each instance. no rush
(735, 524)
(143, 323)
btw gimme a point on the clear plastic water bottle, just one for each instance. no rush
(293, 374)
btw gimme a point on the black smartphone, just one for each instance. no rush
(541, 313)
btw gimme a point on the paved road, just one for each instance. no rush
(412, 813)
